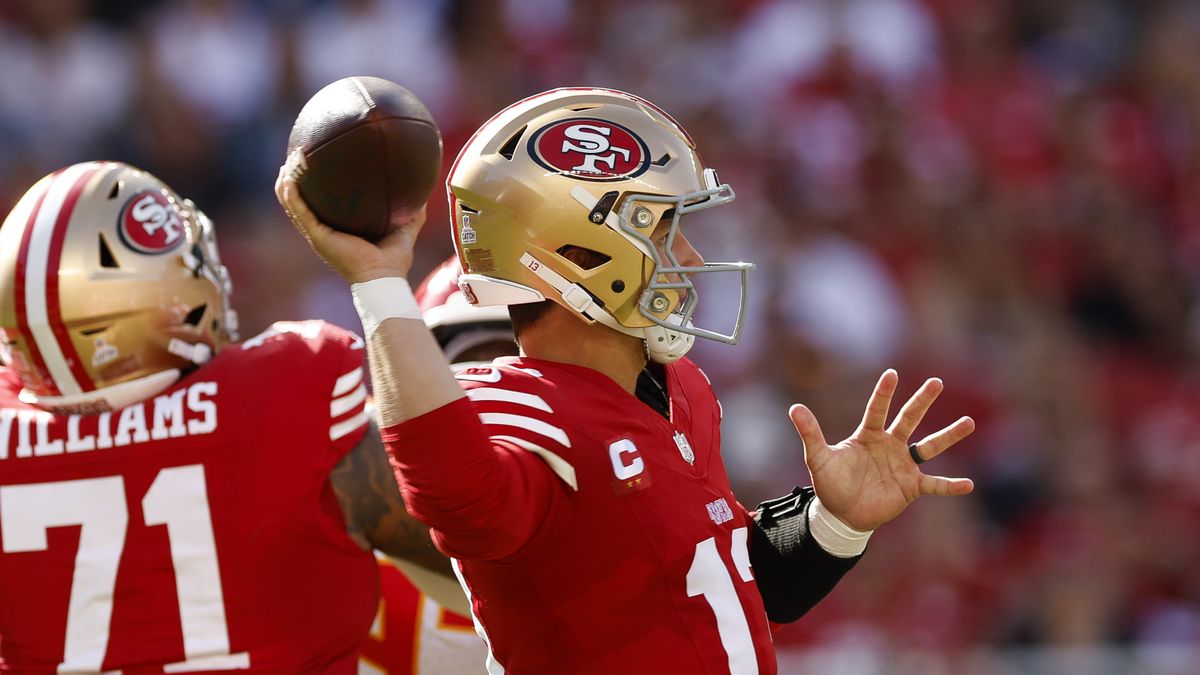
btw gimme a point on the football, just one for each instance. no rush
(369, 150)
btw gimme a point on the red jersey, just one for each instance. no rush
(414, 635)
(194, 531)
(593, 534)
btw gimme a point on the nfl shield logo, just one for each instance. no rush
(685, 448)
(467, 233)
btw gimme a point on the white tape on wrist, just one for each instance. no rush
(836, 537)
(380, 299)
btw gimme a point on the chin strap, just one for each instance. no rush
(108, 398)
(198, 353)
(575, 296)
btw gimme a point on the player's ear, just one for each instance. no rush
(584, 258)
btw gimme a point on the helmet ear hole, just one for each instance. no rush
(194, 317)
(107, 259)
(583, 258)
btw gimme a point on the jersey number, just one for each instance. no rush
(709, 576)
(177, 498)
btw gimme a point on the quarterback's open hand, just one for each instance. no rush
(353, 257)
(869, 478)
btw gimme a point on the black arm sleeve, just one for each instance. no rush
(791, 569)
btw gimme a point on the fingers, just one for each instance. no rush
(288, 194)
(940, 486)
(293, 204)
(915, 408)
(413, 219)
(936, 443)
(815, 447)
(875, 416)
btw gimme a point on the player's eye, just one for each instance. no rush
(663, 228)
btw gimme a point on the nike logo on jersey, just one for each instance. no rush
(485, 374)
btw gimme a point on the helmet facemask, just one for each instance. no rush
(669, 298)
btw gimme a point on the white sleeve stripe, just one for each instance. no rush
(343, 405)
(561, 467)
(346, 426)
(506, 396)
(529, 424)
(347, 382)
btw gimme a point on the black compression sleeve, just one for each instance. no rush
(791, 569)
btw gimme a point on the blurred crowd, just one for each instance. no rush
(1004, 194)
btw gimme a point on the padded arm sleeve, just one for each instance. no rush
(793, 572)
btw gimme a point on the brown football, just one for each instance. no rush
(370, 149)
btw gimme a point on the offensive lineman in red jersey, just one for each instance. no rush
(170, 500)
(580, 489)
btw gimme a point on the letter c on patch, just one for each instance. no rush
(626, 461)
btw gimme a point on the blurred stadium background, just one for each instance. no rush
(1005, 194)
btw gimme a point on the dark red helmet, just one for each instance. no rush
(458, 325)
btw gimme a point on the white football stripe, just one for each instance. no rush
(36, 262)
(506, 396)
(347, 382)
(741, 554)
(494, 667)
(343, 405)
(561, 467)
(529, 424)
(342, 428)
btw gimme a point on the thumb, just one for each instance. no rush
(806, 425)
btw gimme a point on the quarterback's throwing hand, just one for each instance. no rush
(353, 257)
(869, 478)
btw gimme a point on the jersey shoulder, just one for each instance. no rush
(508, 381)
(522, 408)
(304, 365)
(511, 373)
(296, 355)
(311, 339)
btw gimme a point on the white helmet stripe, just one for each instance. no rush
(37, 272)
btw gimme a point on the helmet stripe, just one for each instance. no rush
(35, 354)
(40, 275)
(53, 307)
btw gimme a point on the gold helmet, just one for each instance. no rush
(593, 169)
(110, 287)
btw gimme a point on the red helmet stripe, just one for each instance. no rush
(35, 354)
(39, 274)
(53, 308)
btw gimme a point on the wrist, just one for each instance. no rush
(833, 534)
(382, 298)
(373, 274)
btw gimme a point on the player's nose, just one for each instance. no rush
(685, 253)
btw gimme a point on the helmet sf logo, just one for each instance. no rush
(149, 223)
(590, 149)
